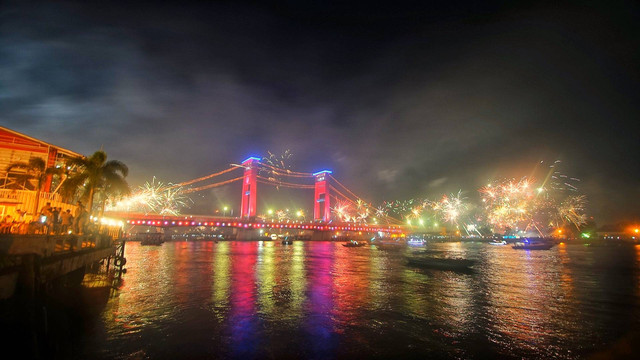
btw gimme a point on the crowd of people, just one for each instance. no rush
(50, 220)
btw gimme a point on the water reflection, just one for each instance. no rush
(242, 318)
(221, 280)
(319, 321)
(322, 300)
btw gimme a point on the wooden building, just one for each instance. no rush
(15, 194)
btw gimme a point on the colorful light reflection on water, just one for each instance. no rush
(321, 300)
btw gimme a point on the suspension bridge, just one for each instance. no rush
(328, 222)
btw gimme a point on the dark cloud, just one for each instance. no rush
(401, 100)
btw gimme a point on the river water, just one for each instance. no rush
(320, 300)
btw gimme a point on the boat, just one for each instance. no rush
(395, 246)
(416, 242)
(353, 243)
(436, 263)
(533, 244)
(151, 238)
(496, 242)
(287, 241)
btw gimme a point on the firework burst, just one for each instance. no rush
(277, 166)
(451, 207)
(342, 211)
(524, 204)
(154, 198)
(510, 203)
(571, 210)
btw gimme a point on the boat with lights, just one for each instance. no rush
(416, 242)
(354, 243)
(533, 244)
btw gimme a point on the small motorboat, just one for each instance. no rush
(495, 242)
(533, 244)
(525, 246)
(391, 246)
(287, 241)
(436, 263)
(416, 242)
(353, 243)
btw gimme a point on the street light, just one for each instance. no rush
(225, 211)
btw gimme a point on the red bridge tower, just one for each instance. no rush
(249, 190)
(321, 204)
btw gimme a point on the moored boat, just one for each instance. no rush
(152, 239)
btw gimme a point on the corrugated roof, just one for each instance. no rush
(60, 149)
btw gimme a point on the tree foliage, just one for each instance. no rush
(94, 175)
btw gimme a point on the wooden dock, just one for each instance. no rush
(28, 262)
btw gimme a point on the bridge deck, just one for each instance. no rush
(219, 221)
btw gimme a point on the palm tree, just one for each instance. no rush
(97, 175)
(34, 169)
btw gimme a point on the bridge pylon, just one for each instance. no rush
(322, 203)
(249, 189)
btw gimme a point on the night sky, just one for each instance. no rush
(400, 100)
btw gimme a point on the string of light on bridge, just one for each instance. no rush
(266, 225)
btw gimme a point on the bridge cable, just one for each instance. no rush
(204, 187)
(204, 177)
(344, 187)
